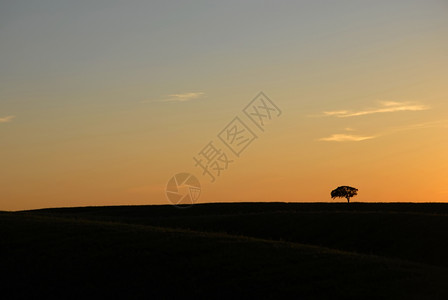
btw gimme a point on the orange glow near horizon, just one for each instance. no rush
(101, 112)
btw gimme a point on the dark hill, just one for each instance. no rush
(225, 251)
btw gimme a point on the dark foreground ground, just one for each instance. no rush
(239, 250)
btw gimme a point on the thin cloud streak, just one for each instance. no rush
(385, 107)
(6, 119)
(184, 97)
(346, 138)
(432, 124)
(354, 138)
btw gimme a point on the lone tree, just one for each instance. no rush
(344, 192)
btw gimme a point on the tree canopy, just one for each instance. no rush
(344, 192)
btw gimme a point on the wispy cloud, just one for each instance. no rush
(346, 138)
(184, 97)
(6, 119)
(384, 107)
(432, 124)
(343, 137)
(336, 113)
(443, 123)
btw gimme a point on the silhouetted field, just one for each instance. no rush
(264, 250)
(412, 231)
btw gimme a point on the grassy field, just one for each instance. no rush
(263, 250)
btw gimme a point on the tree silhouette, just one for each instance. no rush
(344, 192)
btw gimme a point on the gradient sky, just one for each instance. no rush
(101, 102)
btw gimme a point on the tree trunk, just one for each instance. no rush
(348, 200)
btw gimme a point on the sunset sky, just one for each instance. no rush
(102, 102)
